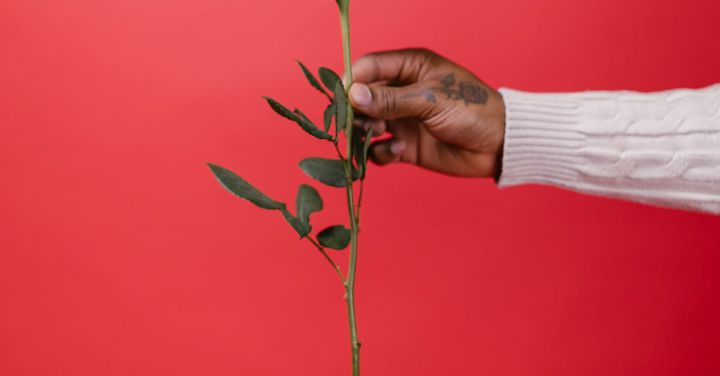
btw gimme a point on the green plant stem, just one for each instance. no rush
(339, 153)
(327, 257)
(359, 203)
(352, 265)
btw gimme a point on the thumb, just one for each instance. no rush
(389, 102)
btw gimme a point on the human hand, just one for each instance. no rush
(441, 117)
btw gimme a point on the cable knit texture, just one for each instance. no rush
(658, 148)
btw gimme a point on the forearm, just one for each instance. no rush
(659, 148)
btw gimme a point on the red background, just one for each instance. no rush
(121, 255)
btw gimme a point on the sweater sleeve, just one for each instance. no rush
(657, 148)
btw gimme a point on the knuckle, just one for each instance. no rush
(423, 51)
(429, 56)
(388, 102)
(424, 58)
(367, 64)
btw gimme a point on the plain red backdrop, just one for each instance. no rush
(121, 255)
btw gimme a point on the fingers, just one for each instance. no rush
(387, 151)
(387, 102)
(399, 67)
(378, 126)
(402, 147)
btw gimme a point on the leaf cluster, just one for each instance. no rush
(337, 173)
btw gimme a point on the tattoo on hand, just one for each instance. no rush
(467, 91)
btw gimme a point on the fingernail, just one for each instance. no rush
(361, 95)
(397, 147)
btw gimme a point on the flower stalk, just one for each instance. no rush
(352, 265)
(343, 172)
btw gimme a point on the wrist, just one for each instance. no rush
(499, 121)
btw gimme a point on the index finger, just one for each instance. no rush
(399, 67)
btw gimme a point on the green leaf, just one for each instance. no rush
(335, 237)
(298, 117)
(308, 201)
(361, 143)
(328, 78)
(303, 116)
(357, 143)
(328, 116)
(303, 229)
(241, 188)
(280, 109)
(368, 141)
(308, 126)
(366, 147)
(326, 171)
(311, 78)
(340, 107)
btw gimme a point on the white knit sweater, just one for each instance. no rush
(659, 148)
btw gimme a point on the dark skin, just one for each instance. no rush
(440, 116)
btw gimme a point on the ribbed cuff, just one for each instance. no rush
(542, 139)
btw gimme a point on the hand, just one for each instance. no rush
(441, 117)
